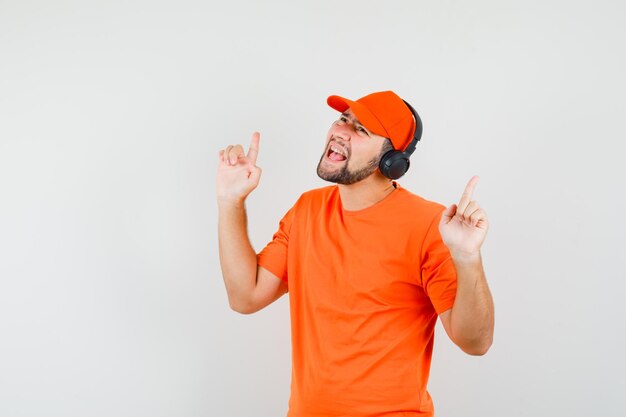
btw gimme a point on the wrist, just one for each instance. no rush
(230, 202)
(461, 257)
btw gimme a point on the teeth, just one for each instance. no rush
(337, 150)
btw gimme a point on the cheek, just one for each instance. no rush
(329, 134)
(366, 152)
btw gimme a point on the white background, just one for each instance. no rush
(112, 114)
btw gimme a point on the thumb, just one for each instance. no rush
(255, 173)
(448, 214)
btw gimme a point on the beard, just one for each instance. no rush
(345, 175)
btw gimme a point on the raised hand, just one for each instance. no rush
(237, 174)
(463, 228)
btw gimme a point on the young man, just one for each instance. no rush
(369, 267)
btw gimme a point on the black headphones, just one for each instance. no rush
(394, 163)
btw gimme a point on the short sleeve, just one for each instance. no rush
(438, 273)
(273, 256)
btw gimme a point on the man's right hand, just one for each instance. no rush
(237, 174)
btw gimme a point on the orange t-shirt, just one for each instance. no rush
(365, 288)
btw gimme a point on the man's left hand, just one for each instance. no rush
(463, 228)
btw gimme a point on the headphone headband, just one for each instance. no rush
(417, 135)
(395, 163)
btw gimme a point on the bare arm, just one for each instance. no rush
(237, 257)
(249, 287)
(470, 321)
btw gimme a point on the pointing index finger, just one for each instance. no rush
(466, 197)
(253, 151)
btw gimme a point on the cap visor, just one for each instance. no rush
(365, 117)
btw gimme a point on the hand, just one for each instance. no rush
(463, 228)
(237, 174)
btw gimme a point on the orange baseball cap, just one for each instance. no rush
(383, 113)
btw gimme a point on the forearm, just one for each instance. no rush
(472, 316)
(237, 257)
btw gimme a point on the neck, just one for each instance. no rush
(365, 193)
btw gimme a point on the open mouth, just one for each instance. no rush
(336, 154)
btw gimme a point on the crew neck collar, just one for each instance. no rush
(383, 202)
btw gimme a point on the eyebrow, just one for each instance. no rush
(354, 120)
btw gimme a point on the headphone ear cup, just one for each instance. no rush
(394, 164)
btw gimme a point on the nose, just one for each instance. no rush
(343, 131)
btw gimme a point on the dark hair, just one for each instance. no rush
(387, 146)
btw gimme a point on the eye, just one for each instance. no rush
(361, 129)
(342, 118)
